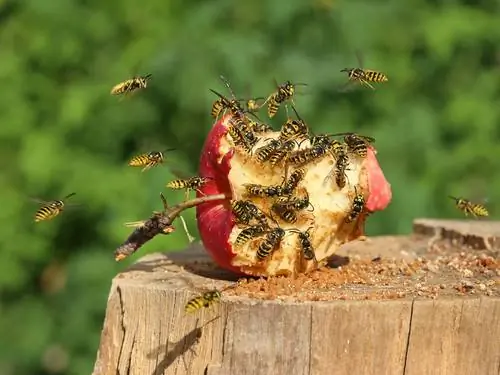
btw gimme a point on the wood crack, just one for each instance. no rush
(408, 340)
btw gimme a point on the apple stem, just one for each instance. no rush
(159, 223)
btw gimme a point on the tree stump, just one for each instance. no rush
(428, 303)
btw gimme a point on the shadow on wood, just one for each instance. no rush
(357, 326)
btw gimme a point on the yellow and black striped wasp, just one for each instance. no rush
(467, 207)
(365, 77)
(223, 104)
(131, 85)
(50, 209)
(186, 182)
(149, 160)
(284, 93)
(205, 299)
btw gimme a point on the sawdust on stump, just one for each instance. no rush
(427, 269)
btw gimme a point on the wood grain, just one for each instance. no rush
(147, 332)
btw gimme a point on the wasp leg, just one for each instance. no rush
(191, 239)
(135, 224)
(148, 166)
(366, 83)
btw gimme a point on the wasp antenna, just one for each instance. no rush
(300, 84)
(452, 197)
(226, 83)
(69, 195)
(169, 149)
(296, 114)
(293, 230)
(148, 76)
(219, 95)
(164, 201)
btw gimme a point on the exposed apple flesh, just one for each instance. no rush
(231, 167)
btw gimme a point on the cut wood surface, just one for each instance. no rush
(402, 305)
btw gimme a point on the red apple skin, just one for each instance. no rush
(215, 220)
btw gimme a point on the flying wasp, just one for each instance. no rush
(363, 76)
(204, 300)
(130, 85)
(192, 183)
(50, 209)
(467, 207)
(148, 160)
(356, 143)
(283, 93)
(358, 205)
(248, 233)
(270, 243)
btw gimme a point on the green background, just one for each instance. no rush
(436, 123)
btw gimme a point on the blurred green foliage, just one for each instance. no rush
(436, 123)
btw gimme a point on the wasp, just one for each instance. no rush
(130, 85)
(475, 209)
(240, 135)
(287, 207)
(248, 233)
(293, 181)
(358, 205)
(252, 105)
(149, 159)
(232, 105)
(363, 76)
(301, 157)
(50, 209)
(305, 243)
(257, 190)
(282, 152)
(295, 203)
(204, 300)
(264, 153)
(286, 214)
(293, 129)
(258, 127)
(242, 211)
(192, 183)
(339, 170)
(270, 243)
(284, 92)
(357, 144)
